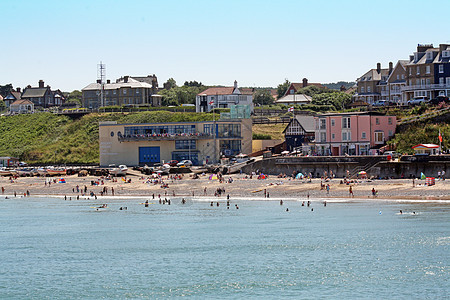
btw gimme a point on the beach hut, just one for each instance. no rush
(429, 149)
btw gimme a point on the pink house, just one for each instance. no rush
(354, 133)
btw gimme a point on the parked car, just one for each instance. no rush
(438, 100)
(173, 163)
(393, 154)
(381, 103)
(416, 101)
(184, 163)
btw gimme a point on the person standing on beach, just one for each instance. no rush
(350, 191)
(443, 175)
(328, 188)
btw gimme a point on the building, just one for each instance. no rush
(372, 86)
(223, 97)
(428, 72)
(426, 149)
(43, 96)
(396, 82)
(295, 99)
(8, 161)
(299, 132)
(22, 106)
(296, 86)
(12, 96)
(355, 133)
(201, 142)
(126, 91)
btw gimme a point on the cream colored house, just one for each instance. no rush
(151, 143)
(22, 106)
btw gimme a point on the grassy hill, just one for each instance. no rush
(48, 138)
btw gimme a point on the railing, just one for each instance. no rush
(425, 86)
(161, 137)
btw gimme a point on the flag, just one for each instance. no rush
(291, 109)
(440, 136)
(211, 102)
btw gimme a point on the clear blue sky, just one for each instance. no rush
(257, 43)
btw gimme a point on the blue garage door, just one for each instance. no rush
(149, 155)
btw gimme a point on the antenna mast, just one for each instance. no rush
(101, 75)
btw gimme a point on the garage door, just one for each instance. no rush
(149, 155)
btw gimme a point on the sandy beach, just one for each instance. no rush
(252, 189)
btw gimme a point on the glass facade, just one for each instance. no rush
(230, 147)
(185, 144)
(229, 131)
(182, 155)
(159, 129)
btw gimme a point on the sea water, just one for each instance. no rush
(56, 249)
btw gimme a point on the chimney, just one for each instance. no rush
(378, 67)
(41, 83)
(99, 81)
(18, 89)
(108, 81)
(391, 67)
(305, 82)
(125, 79)
(235, 84)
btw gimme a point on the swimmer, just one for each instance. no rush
(281, 202)
(303, 203)
(401, 212)
(217, 204)
(324, 203)
(212, 204)
(287, 209)
(312, 209)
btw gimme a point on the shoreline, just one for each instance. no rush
(246, 189)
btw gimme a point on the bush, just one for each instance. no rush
(261, 136)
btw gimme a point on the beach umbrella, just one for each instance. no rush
(362, 173)
(422, 176)
(299, 176)
(213, 177)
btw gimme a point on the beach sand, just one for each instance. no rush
(252, 189)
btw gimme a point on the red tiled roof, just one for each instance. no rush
(217, 91)
(299, 85)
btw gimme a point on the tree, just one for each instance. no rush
(193, 83)
(338, 100)
(170, 83)
(180, 95)
(282, 88)
(5, 89)
(75, 97)
(263, 97)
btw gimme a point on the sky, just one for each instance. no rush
(258, 43)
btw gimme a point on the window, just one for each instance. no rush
(428, 81)
(398, 77)
(441, 68)
(323, 137)
(124, 91)
(390, 121)
(185, 144)
(368, 89)
(410, 72)
(403, 76)
(114, 92)
(379, 137)
(362, 89)
(447, 80)
(446, 53)
(418, 70)
(377, 121)
(323, 124)
(441, 81)
(429, 55)
(346, 136)
(332, 136)
(137, 91)
(332, 122)
(363, 135)
(346, 122)
(428, 69)
(390, 133)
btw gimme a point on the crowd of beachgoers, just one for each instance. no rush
(240, 186)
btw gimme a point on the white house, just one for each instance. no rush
(223, 97)
(22, 106)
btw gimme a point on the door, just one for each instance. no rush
(149, 155)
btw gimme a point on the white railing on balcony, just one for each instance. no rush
(425, 87)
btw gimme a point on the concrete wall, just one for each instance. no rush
(258, 145)
(340, 165)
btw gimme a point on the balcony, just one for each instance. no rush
(163, 137)
(425, 87)
(384, 93)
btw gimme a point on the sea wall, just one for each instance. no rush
(339, 165)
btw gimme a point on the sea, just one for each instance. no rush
(51, 248)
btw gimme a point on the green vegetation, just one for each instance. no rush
(261, 136)
(48, 138)
(262, 97)
(421, 134)
(178, 95)
(282, 88)
(337, 85)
